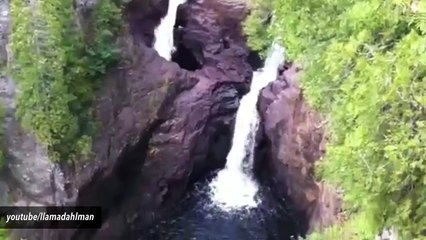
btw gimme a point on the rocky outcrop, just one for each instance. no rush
(291, 139)
(188, 135)
(143, 17)
(161, 126)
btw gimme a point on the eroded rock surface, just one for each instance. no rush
(161, 126)
(292, 140)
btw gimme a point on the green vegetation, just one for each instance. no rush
(365, 69)
(357, 228)
(254, 25)
(58, 68)
(3, 234)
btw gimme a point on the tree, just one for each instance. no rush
(365, 68)
(57, 72)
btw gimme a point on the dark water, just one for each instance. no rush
(196, 218)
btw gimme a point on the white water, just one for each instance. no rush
(164, 32)
(234, 186)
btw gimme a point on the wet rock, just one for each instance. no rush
(255, 60)
(143, 17)
(293, 140)
(189, 54)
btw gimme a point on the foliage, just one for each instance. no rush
(356, 228)
(255, 25)
(3, 234)
(57, 71)
(365, 67)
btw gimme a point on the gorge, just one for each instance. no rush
(197, 138)
(230, 205)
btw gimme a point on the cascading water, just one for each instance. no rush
(164, 32)
(234, 186)
(227, 208)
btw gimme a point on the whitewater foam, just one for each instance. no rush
(164, 32)
(234, 187)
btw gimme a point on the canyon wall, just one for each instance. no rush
(161, 126)
(291, 139)
(164, 125)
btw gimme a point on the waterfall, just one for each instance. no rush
(234, 186)
(164, 32)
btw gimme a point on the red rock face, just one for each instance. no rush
(294, 135)
(143, 17)
(161, 126)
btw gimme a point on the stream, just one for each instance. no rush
(197, 217)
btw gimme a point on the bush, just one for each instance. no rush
(3, 234)
(254, 25)
(57, 71)
(365, 68)
(356, 228)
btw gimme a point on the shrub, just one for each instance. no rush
(57, 72)
(365, 67)
(254, 25)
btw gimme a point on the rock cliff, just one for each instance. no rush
(165, 124)
(161, 125)
(291, 140)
